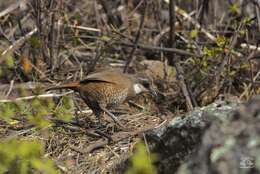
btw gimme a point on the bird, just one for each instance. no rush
(107, 89)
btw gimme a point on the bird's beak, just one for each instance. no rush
(153, 92)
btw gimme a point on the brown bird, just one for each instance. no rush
(107, 89)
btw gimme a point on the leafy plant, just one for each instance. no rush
(26, 156)
(142, 161)
(21, 156)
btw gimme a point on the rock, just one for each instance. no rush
(218, 138)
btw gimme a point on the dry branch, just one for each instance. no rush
(10, 9)
(17, 43)
(34, 96)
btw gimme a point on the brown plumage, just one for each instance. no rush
(104, 90)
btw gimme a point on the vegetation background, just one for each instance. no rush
(195, 51)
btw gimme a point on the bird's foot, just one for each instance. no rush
(113, 117)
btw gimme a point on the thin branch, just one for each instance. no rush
(17, 43)
(34, 96)
(10, 88)
(10, 9)
(160, 49)
(202, 29)
(174, 60)
(83, 28)
(130, 57)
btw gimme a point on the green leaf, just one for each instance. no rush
(234, 8)
(9, 60)
(7, 110)
(63, 112)
(21, 156)
(194, 33)
(142, 161)
(105, 38)
(221, 41)
(35, 42)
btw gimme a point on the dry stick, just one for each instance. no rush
(257, 9)
(10, 88)
(116, 138)
(34, 96)
(249, 86)
(17, 44)
(122, 35)
(130, 57)
(10, 9)
(114, 118)
(210, 36)
(163, 49)
(174, 60)
(203, 30)
(213, 38)
(37, 6)
(148, 47)
(252, 78)
(83, 28)
(227, 56)
(250, 47)
(53, 60)
(251, 70)
(112, 19)
(135, 9)
(99, 52)
(26, 85)
(55, 33)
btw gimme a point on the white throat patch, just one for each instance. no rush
(138, 88)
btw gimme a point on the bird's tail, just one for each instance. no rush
(72, 85)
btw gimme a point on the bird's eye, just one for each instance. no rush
(146, 84)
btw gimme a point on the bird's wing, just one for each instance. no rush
(106, 77)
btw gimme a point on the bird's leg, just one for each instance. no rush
(111, 116)
(98, 114)
(76, 113)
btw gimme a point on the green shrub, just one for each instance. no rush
(142, 161)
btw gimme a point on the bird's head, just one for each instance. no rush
(144, 85)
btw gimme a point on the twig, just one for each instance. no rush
(52, 34)
(163, 49)
(34, 96)
(227, 57)
(10, 88)
(84, 28)
(19, 133)
(104, 135)
(17, 43)
(130, 57)
(136, 105)
(147, 147)
(10, 9)
(257, 9)
(135, 9)
(249, 86)
(195, 23)
(27, 85)
(114, 118)
(250, 47)
(174, 60)
(116, 137)
(198, 26)
(112, 19)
